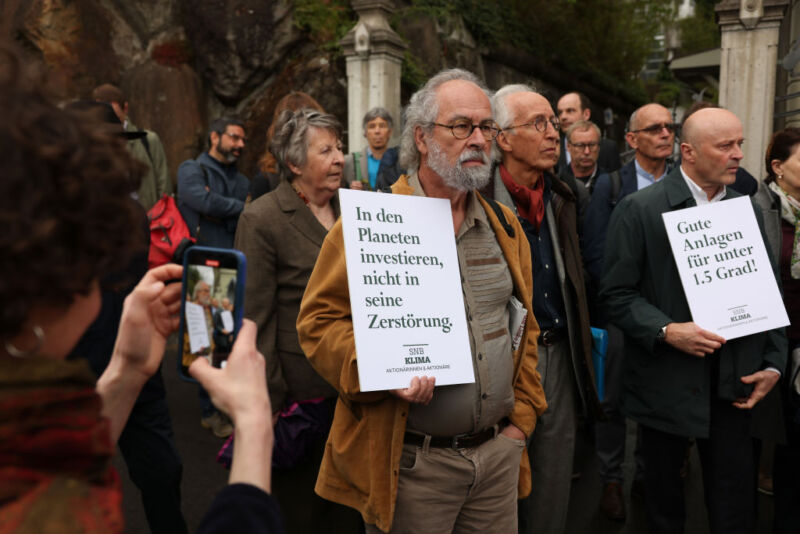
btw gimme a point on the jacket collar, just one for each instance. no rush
(300, 215)
(678, 193)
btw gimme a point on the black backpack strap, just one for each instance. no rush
(498, 211)
(616, 186)
(146, 145)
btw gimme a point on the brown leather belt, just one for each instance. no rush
(551, 336)
(461, 441)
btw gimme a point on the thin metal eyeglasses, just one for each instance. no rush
(463, 128)
(234, 137)
(540, 123)
(656, 128)
(584, 146)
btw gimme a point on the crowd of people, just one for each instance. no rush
(544, 213)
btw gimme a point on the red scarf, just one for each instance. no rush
(529, 202)
(55, 451)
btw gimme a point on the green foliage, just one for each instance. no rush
(666, 89)
(605, 41)
(325, 21)
(698, 33)
(413, 75)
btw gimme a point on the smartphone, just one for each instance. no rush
(212, 304)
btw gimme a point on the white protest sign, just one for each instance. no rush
(405, 290)
(197, 328)
(724, 268)
(227, 320)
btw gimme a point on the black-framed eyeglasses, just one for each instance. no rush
(656, 128)
(583, 146)
(540, 123)
(463, 128)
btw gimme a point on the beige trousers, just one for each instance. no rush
(443, 491)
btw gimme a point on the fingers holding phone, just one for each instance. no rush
(212, 305)
(240, 388)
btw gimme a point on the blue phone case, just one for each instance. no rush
(238, 308)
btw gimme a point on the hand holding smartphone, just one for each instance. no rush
(212, 304)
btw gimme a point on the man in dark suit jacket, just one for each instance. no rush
(680, 380)
(571, 108)
(652, 135)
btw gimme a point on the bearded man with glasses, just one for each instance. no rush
(211, 195)
(546, 209)
(449, 459)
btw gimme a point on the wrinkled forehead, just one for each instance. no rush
(584, 134)
(652, 114)
(569, 101)
(458, 99)
(529, 106)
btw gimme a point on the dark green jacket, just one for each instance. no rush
(664, 388)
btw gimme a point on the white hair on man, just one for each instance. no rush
(422, 110)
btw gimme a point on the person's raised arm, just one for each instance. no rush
(149, 316)
(240, 390)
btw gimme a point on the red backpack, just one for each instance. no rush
(169, 235)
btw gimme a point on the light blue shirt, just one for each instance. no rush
(644, 178)
(372, 168)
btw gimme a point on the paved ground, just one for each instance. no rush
(203, 477)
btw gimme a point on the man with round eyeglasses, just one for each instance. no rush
(438, 459)
(546, 209)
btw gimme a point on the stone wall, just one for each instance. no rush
(183, 62)
(180, 62)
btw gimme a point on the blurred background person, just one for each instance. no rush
(779, 198)
(281, 234)
(146, 148)
(376, 167)
(268, 177)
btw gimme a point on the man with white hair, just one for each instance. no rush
(449, 459)
(546, 210)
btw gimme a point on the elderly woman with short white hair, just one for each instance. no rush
(281, 234)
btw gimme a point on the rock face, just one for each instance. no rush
(180, 62)
(238, 43)
(72, 38)
(169, 101)
(321, 76)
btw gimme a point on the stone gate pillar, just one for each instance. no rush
(374, 55)
(750, 31)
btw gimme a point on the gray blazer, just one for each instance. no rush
(770, 204)
(771, 208)
(281, 239)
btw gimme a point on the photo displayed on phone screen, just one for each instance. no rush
(209, 314)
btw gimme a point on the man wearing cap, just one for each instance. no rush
(146, 148)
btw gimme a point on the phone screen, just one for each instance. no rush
(211, 313)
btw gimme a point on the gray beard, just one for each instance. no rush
(229, 156)
(456, 176)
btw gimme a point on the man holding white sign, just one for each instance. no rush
(449, 459)
(681, 380)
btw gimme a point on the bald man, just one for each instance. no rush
(680, 380)
(651, 133)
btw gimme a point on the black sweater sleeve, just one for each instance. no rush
(242, 508)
